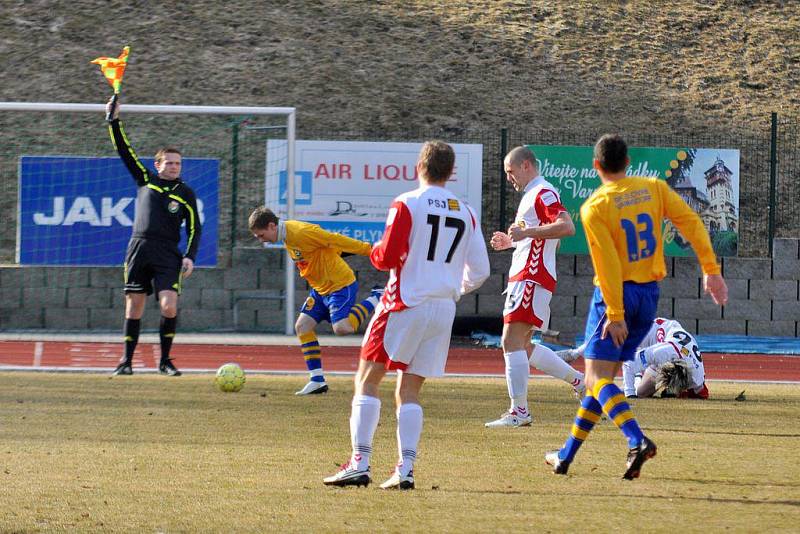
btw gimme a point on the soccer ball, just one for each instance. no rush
(230, 378)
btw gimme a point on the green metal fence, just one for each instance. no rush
(769, 166)
(758, 158)
(787, 177)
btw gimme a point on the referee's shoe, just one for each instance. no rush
(167, 368)
(124, 368)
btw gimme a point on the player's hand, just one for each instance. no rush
(112, 108)
(500, 241)
(517, 233)
(618, 331)
(715, 285)
(187, 268)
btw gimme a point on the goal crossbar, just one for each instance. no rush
(142, 108)
(288, 112)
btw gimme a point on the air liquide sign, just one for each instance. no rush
(80, 210)
(347, 186)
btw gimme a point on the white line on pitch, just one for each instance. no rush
(38, 349)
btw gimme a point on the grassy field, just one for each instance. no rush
(80, 452)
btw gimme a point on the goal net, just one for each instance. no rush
(68, 202)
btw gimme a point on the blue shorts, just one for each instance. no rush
(640, 302)
(332, 307)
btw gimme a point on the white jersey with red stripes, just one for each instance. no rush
(667, 340)
(660, 330)
(535, 259)
(433, 248)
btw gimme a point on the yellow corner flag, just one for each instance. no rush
(114, 67)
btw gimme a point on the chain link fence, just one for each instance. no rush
(500, 200)
(787, 180)
(240, 144)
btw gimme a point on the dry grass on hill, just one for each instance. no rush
(370, 64)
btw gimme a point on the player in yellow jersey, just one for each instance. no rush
(622, 220)
(318, 256)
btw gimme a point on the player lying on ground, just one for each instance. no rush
(317, 254)
(667, 359)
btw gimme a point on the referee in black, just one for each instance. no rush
(153, 261)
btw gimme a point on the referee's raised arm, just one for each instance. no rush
(120, 140)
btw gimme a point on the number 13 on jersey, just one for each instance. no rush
(639, 236)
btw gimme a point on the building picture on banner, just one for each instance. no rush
(79, 211)
(706, 178)
(347, 186)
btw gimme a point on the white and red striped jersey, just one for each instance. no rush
(433, 248)
(660, 330)
(667, 340)
(535, 259)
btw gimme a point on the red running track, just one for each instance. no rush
(89, 356)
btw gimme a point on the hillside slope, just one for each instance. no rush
(360, 65)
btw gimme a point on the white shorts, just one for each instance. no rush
(527, 302)
(415, 340)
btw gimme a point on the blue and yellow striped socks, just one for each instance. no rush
(617, 409)
(313, 355)
(588, 415)
(608, 398)
(360, 312)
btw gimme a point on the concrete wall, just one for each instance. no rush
(764, 295)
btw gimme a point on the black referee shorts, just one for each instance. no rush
(151, 264)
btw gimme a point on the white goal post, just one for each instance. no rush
(288, 112)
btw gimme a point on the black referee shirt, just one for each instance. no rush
(161, 205)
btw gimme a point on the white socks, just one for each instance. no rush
(366, 411)
(364, 418)
(517, 374)
(548, 362)
(409, 429)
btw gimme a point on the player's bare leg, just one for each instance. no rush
(134, 305)
(647, 386)
(343, 327)
(359, 314)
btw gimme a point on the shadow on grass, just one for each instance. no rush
(670, 498)
(717, 432)
(733, 482)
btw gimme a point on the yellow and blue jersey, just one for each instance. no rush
(623, 223)
(317, 254)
